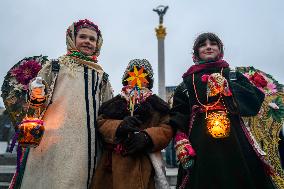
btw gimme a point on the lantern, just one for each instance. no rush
(218, 124)
(30, 132)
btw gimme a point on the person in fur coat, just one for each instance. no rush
(131, 135)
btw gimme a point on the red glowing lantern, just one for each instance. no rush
(30, 132)
(218, 124)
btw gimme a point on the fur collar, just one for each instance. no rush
(117, 108)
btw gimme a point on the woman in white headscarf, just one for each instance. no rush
(66, 156)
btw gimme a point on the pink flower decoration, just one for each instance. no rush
(87, 23)
(26, 71)
(271, 87)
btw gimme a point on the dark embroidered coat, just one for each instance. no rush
(228, 163)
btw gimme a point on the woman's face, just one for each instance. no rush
(86, 41)
(208, 50)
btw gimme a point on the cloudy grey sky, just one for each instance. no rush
(252, 31)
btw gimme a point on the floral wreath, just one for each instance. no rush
(270, 87)
(16, 84)
(263, 81)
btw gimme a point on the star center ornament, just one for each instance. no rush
(137, 77)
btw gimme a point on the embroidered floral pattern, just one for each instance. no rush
(78, 54)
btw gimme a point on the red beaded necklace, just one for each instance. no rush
(197, 98)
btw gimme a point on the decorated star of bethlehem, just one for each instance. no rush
(137, 77)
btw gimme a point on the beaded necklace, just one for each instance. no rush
(218, 123)
(196, 95)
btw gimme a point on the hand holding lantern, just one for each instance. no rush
(31, 129)
(218, 123)
(217, 84)
(37, 88)
(37, 92)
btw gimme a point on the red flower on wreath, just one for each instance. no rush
(258, 80)
(26, 71)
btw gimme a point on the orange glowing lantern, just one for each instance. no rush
(30, 132)
(218, 124)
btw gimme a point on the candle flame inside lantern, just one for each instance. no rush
(30, 132)
(218, 124)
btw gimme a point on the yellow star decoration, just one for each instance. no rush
(137, 77)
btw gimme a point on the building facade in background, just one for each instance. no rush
(170, 155)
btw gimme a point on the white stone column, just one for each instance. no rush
(161, 33)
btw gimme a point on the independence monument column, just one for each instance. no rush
(161, 34)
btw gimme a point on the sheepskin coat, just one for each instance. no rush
(115, 171)
(66, 156)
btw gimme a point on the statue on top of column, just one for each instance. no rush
(161, 10)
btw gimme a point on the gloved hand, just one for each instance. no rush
(137, 143)
(37, 88)
(218, 84)
(185, 152)
(37, 96)
(129, 124)
(143, 111)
